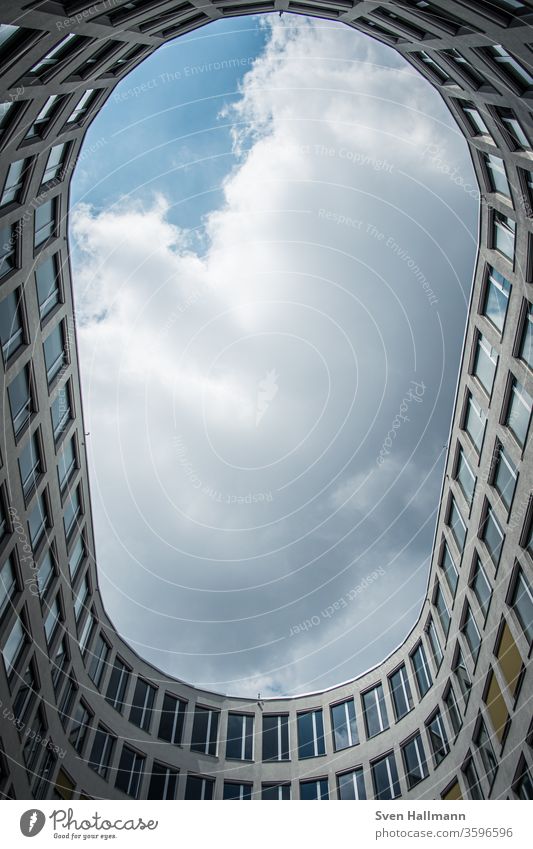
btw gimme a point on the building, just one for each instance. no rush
(448, 714)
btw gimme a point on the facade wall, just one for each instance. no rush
(45, 679)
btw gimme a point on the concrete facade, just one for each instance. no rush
(475, 743)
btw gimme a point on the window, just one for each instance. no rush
(80, 726)
(486, 752)
(453, 710)
(98, 658)
(400, 690)
(434, 70)
(86, 633)
(45, 117)
(442, 609)
(45, 573)
(83, 106)
(130, 772)
(102, 752)
(64, 786)
(449, 569)
(344, 726)
(81, 598)
(275, 737)
(471, 778)
(52, 620)
(7, 111)
(55, 353)
(77, 557)
(456, 524)
(204, 731)
(496, 174)
(43, 780)
(13, 646)
(131, 10)
(526, 342)
(67, 700)
(509, 659)
(316, 789)
(492, 536)
(504, 475)
(437, 738)
(61, 411)
(66, 463)
(311, 742)
(503, 235)
(30, 464)
(512, 71)
(239, 743)
(143, 702)
(385, 778)
(118, 684)
(476, 123)
(351, 785)
(526, 180)
(375, 711)
(393, 21)
(4, 774)
(95, 60)
(421, 670)
(496, 706)
(33, 745)
(172, 719)
(45, 222)
(485, 362)
(120, 64)
(21, 399)
(8, 584)
(38, 521)
(4, 525)
(464, 69)
(8, 249)
(55, 163)
(471, 632)
(481, 586)
(14, 184)
(523, 787)
(513, 131)
(474, 423)
(23, 701)
(72, 511)
(496, 298)
(521, 602)
(276, 792)
(12, 336)
(414, 760)
(199, 788)
(434, 642)
(67, 47)
(235, 791)
(58, 664)
(518, 412)
(163, 782)
(48, 289)
(465, 477)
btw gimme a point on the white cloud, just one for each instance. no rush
(236, 525)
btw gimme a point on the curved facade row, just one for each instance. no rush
(449, 713)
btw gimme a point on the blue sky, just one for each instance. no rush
(252, 329)
(163, 123)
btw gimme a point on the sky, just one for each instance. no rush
(273, 230)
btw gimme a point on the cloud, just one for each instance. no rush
(238, 396)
